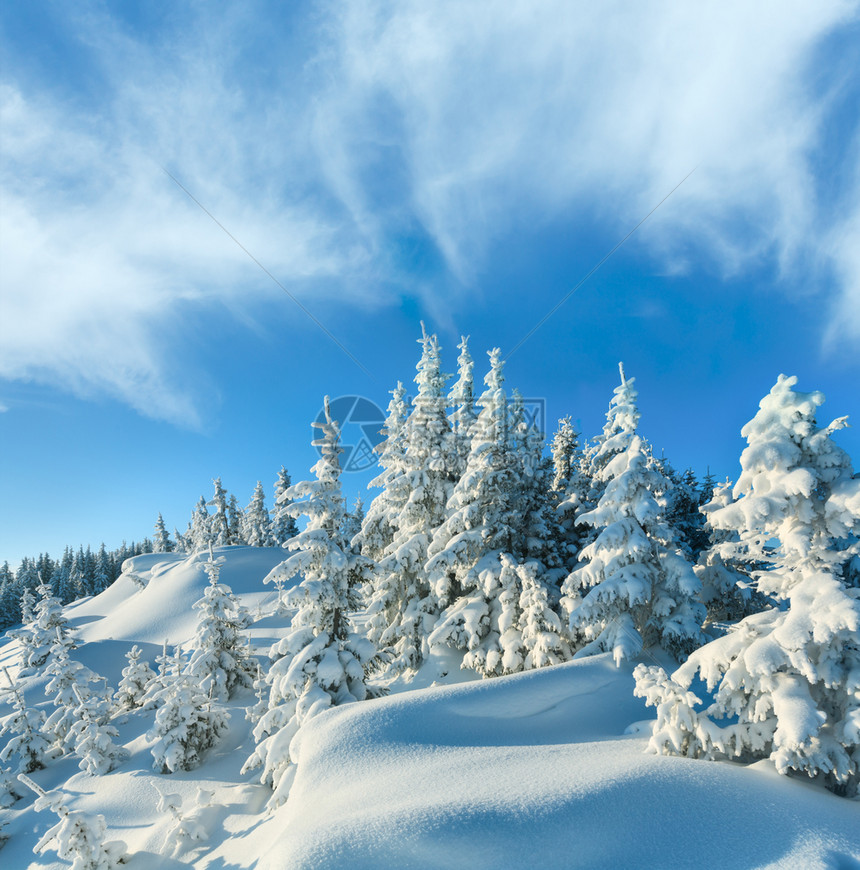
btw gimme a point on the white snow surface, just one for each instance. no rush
(541, 769)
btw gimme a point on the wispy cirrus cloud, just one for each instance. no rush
(504, 114)
(457, 122)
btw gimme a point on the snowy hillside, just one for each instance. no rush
(540, 769)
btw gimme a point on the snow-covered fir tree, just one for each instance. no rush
(235, 522)
(220, 662)
(169, 666)
(544, 638)
(200, 531)
(564, 449)
(102, 575)
(28, 742)
(633, 586)
(77, 837)
(464, 565)
(71, 684)
(161, 542)
(403, 606)
(728, 590)
(377, 531)
(352, 521)
(461, 400)
(38, 636)
(10, 791)
(137, 677)
(475, 553)
(284, 526)
(257, 524)
(320, 662)
(784, 681)
(219, 524)
(181, 542)
(186, 724)
(91, 735)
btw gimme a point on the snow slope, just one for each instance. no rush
(533, 770)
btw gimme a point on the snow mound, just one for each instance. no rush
(162, 609)
(534, 770)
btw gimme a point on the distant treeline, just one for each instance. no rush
(75, 575)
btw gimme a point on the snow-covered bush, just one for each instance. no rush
(785, 682)
(184, 828)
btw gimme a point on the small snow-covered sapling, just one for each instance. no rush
(77, 837)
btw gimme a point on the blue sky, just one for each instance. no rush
(461, 163)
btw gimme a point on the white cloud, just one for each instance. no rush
(466, 119)
(104, 256)
(507, 113)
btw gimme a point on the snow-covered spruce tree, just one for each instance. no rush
(39, 636)
(565, 450)
(220, 662)
(586, 486)
(540, 533)
(186, 725)
(403, 608)
(28, 742)
(257, 525)
(10, 791)
(102, 577)
(182, 544)
(568, 490)
(200, 533)
(90, 734)
(77, 837)
(137, 677)
(169, 666)
(352, 521)
(235, 522)
(376, 529)
(461, 400)
(320, 663)
(161, 542)
(474, 556)
(219, 525)
(544, 638)
(71, 684)
(679, 505)
(728, 590)
(785, 682)
(284, 526)
(633, 586)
